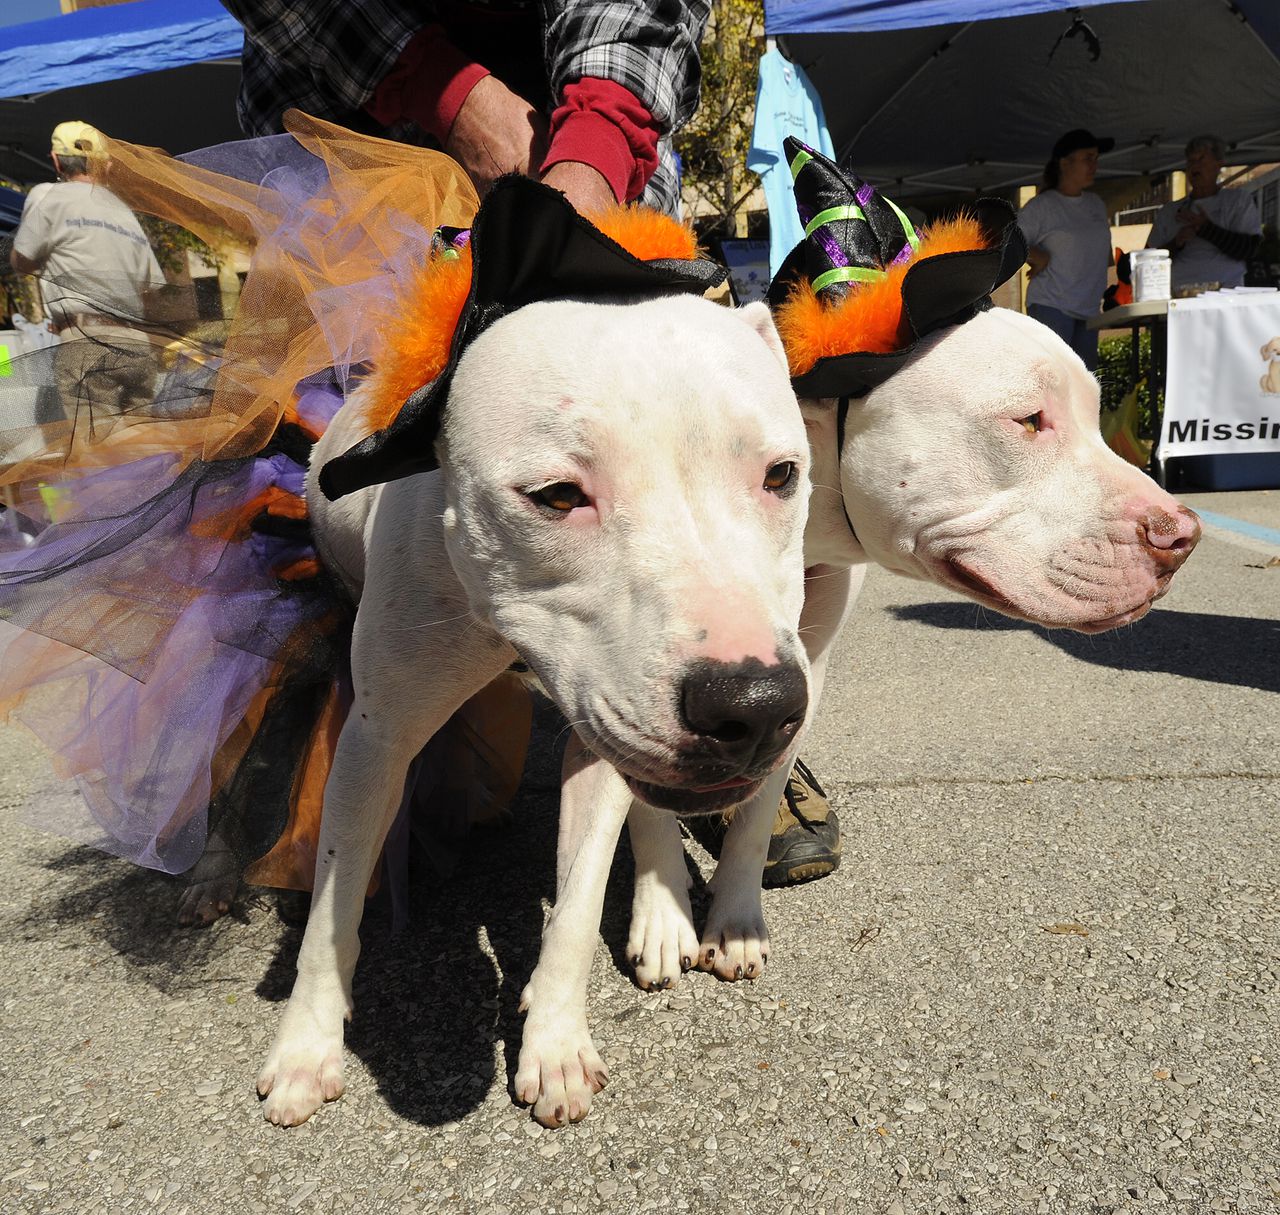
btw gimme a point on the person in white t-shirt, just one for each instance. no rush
(1212, 234)
(1069, 243)
(95, 266)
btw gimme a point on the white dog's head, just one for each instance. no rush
(626, 489)
(980, 466)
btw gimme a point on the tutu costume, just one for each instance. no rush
(178, 644)
(170, 634)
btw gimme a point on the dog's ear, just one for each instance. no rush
(760, 319)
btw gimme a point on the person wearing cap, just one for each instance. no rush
(1068, 237)
(95, 265)
(1212, 234)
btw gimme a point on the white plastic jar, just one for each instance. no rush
(1149, 274)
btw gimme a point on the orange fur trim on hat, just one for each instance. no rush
(871, 316)
(418, 350)
(647, 234)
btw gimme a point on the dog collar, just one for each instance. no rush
(842, 415)
(855, 297)
(527, 244)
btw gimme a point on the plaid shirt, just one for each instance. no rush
(326, 57)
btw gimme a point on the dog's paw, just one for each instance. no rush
(559, 1072)
(211, 888)
(303, 1069)
(663, 943)
(735, 942)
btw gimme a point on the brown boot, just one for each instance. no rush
(806, 833)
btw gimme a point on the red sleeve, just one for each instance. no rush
(427, 85)
(601, 124)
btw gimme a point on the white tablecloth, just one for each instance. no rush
(1222, 390)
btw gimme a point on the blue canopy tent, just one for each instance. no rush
(957, 96)
(156, 72)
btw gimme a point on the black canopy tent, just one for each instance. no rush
(961, 97)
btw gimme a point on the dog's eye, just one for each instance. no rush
(1032, 423)
(563, 496)
(780, 476)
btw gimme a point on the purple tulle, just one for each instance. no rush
(193, 626)
(167, 624)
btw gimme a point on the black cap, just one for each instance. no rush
(1073, 141)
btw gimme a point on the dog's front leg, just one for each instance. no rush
(559, 1069)
(401, 699)
(663, 942)
(735, 941)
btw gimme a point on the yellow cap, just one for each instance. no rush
(77, 139)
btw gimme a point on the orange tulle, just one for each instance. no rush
(291, 321)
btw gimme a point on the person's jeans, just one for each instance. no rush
(1071, 329)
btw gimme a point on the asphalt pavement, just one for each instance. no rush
(1044, 978)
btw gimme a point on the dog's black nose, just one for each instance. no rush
(744, 712)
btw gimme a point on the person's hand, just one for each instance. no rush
(1182, 235)
(1193, 218)
(495, 132)
(582, 185)
(1037, 261)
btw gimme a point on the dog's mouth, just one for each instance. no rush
(969, 580)
(965, 578)
(706, 799)
(1117, 621)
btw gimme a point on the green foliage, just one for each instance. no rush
(171, 244)
(713, 147)
(1115, 375)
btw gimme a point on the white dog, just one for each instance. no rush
(622, 508)
(983, 474)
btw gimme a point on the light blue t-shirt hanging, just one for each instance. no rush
(786, 104)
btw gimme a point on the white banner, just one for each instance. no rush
(1222, 394)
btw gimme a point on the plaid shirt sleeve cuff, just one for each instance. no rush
(602, 124)
(427, 84)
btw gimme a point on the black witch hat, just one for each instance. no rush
(528, 244)
(853, 237)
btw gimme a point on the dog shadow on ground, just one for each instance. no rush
(1237, 650)
(433, 999)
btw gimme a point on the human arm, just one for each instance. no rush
(625, 76)
(1239, 246)
(31, 241)
(601, 144)
(1031, 221)
(22, 265)
(325, 57)
(1167, 231)
(1239, 231)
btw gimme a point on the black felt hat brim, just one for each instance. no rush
(936, 292)
(528, 244)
